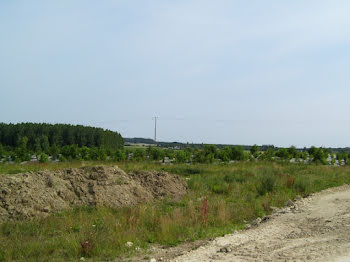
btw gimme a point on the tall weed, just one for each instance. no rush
(267, 185)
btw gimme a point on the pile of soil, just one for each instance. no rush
(36, 194)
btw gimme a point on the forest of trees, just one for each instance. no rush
(36, 136)
(20, 141)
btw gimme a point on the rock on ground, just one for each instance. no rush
(36, 194)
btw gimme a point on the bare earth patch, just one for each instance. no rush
(316, 228)
(36, 194)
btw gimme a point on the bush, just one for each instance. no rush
(139, 154)
(267, 184)
(319, 155)
(70, 152)
(283, 153)
(43, 158)
(155, 153)
(119, 155)
(85, 153)
(181, 156)
(237, 153)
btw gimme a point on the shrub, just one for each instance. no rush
(61, 158)
(283, 153)
(85, 153)
(267, 184)
(237, 153)
(44, 158)
(119, 155)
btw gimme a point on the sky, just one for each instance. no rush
(225, 71)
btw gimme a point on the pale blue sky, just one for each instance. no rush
(236, 72)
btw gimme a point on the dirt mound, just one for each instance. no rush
(160, 184)
(36, 194)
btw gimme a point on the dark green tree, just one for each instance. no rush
(283, 153)
(237, 153)
(292, 151)
(181, 156)
(225, 154)
(85, 153)
(45, 145)
(254, 150)
(139, 154)
(210, 150)
(119, 155)
(320, 156)
(37, 145)
(2, 151)
(70, 152)
(43, 158)
(155, 153)
(54, 151)
(21, 150)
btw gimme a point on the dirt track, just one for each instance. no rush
(313, 229)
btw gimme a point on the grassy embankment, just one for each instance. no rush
(235, 193)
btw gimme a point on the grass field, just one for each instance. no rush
(221, 198)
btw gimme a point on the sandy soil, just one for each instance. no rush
(37, 194)
(316, 228)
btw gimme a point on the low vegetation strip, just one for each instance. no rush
(220, 198)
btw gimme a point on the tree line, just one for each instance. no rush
(212, 153)
(20, 141)
(206, 154)
(41, 135)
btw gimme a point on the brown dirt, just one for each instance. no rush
(316, 228)
(36, 194)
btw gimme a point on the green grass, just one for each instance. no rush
(236, 193)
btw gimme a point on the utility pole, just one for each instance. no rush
(155, 128)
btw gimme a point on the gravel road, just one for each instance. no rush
(316, 228)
